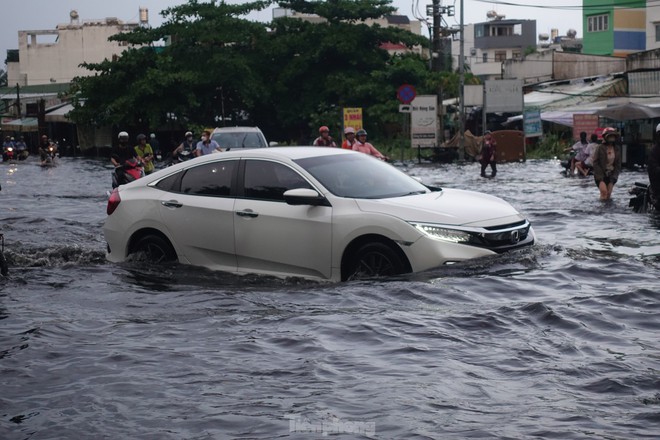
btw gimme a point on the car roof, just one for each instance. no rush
(291, 153)
(239, 129)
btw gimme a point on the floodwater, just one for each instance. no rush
(560, 340)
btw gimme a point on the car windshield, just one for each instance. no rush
(360, 176)
(239, 139)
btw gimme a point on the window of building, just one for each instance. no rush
(598, 23)
(515, 54)
(479, 30)
(500, 55)
(657, 32)
(485, 57)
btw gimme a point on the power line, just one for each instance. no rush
(633, 4)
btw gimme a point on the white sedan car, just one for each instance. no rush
(311, 212)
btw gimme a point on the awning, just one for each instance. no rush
(22, 125)
(577, 93)
(58, 114)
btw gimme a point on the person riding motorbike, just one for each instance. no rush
(22, 149)
(145, 153)
(8, 149)
(324, 139)
(125, 160)
(185, 149)
(47, 151)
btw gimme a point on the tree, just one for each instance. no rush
(288, 76)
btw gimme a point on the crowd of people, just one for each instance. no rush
(353, 140)
(602, 158)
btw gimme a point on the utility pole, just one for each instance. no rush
(18, 101)
(461, 91)
(438, 55)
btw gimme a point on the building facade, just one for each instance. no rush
(488, 44)
(614, 27)
(55, 55)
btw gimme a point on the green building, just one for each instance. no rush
(613, 27)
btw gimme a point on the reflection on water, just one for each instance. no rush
(554, 341)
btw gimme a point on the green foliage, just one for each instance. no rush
(550, 146)
(288, 77)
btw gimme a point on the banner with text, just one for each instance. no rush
(584, 122)
(424, 122)
(352, 118)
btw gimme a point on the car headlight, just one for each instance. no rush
(443, 234)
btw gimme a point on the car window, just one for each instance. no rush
(211, 179)
(360, 176)
(170, 183)
(266, 180)
(239, 139)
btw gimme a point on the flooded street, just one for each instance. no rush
(559, 340)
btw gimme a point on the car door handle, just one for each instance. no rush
(247, 213)
(172, 204)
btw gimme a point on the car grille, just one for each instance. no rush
(504, 237)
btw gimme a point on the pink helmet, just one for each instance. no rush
(323, 128)
(349, 130)
(609, 131)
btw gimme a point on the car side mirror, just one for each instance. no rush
(305, 196)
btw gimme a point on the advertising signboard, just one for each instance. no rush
(352, 118)
(532, 122)
(424, 122)
(584, 122)
(504, 95)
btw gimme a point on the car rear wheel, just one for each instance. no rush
(155, 249)
(375, 260)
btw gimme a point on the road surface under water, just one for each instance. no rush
(555, 341)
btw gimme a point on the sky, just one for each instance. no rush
(47, 14)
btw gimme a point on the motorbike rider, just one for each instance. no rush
(363, 146)
(47, 150)
(146, 153)
(324, 139)
(185, 149)
(8, 149)
(21, 148)
(125, 160)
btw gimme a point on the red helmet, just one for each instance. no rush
(323, 128)
(609, 131)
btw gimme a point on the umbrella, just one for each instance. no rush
(629, 112)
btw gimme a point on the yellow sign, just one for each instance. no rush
(353, 118)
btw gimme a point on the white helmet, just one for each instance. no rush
(122, 134)
(188, 133)
(657, 128)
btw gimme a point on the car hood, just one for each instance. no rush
(448, 207)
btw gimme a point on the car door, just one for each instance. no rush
(274, 237)
(199, 214)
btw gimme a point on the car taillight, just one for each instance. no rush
(113, 201)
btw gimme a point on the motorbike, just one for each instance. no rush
(128, 172)
(182, 156)
(643, 200)
(49, 157)
(8, 154)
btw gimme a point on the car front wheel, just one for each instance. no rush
(375, 260)
(155, 249)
